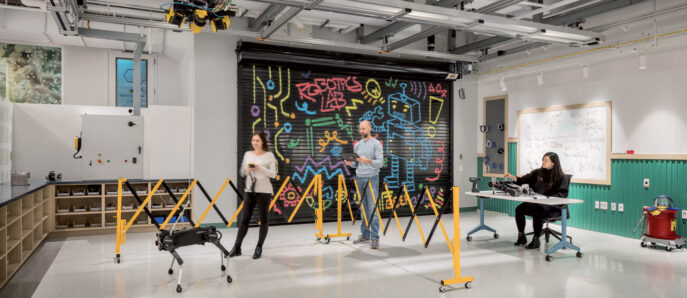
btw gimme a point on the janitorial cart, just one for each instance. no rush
(659, 224)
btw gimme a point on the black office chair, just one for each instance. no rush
(549, 232)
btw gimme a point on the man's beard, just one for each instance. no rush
(364, 135)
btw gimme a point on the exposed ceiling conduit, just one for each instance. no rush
(34, 3)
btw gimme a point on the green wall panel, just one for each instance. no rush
(666, 177)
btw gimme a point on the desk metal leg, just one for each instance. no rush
(481, 226)
(564, 239)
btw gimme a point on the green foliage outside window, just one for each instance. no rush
(30, 74)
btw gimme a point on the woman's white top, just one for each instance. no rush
(261, 178)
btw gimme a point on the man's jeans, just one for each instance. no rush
(373, 231)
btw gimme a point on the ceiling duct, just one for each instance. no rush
(253, 52)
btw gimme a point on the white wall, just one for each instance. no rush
(88, 63)
(186, 81)
(464, 133)
(648, 113)
(648, 105)
(215, 119)
(169, 74)
(43, 139)
(85, 76)
(179, 46)
(88, 76)
(167, 142)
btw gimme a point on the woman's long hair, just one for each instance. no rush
(553, 176)
(263, 138)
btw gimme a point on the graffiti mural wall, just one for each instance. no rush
(311, 118)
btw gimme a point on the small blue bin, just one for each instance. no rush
(160, 220)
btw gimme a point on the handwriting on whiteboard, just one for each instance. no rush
(578, 136)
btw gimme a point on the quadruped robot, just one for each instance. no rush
(171, 240)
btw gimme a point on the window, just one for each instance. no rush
(31, 74)
(125, 83)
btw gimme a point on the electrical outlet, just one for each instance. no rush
(646, 182)
(604, 205)
(596, 204)
(684, 214)
(613, 206)
(621, 207)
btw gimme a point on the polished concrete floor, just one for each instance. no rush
(295, 265)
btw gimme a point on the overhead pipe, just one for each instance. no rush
(34, 3)
(671, 34)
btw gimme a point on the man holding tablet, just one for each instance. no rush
(367, 160)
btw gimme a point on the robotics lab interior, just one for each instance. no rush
(343, 148)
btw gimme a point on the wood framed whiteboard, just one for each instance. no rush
(579, 134)
(494, 140)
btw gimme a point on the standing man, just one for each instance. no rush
(370, 160)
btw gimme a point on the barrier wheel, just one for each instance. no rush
(579, 254)
(117, 259)
(442, 289)
(643, 244)
(229, 280)
(468, 285)
(669, 248)
(318, 238)
(223, 268)
(678, 246)
(468, 238)
(548, 258)
(348, 237)
(170, 271)
(179, 289)
(327, 240)
(496, 236)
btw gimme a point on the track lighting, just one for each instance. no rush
(540, 79)
(642, 61)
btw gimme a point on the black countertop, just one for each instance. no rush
(10, 193)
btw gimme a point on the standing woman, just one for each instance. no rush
(258, 166)
(548, 180)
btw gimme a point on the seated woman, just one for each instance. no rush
(548, 180)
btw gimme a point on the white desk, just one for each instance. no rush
(488, 194)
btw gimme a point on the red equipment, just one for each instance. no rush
(660, 223)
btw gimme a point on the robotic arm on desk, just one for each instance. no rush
(505, 186)
(511, 188)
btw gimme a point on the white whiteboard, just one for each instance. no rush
(579, 134)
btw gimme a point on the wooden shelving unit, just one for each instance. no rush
(26, 222)
(87, 209)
